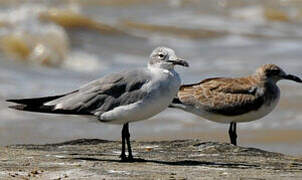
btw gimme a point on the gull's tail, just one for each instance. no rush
(40, 105)
(33, 104)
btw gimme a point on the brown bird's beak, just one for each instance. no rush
(293, 78)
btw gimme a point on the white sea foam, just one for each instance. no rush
(27, 37)
(41, 42)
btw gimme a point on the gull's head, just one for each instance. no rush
(273, 73)
(165, 58)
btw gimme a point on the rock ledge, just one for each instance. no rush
(179, 159)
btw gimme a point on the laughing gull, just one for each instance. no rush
(118, 98)
(232, 100)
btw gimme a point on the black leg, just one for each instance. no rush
(123, 154)
(235, 134)
(130, 157)
(232, 133)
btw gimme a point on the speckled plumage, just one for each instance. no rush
(232, 100)
(231, 96)
(228, 96)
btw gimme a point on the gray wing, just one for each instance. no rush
(104, 94)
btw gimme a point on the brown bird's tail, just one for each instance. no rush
(176, 103)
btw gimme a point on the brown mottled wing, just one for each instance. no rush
(224, 96)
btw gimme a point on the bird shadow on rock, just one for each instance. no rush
(177, 163)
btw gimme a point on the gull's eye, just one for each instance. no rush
(161, 56)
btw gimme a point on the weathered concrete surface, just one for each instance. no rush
(184, 159)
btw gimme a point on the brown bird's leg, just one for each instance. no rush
(127, 135)
(235, 133)
(123, 154)
(232, 133)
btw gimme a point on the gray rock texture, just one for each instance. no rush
(180, 159)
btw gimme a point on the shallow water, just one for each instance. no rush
(53, 47)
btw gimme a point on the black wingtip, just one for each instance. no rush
(39, 101)
(17, 107)
(18, 101)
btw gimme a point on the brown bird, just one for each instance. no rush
(232, 100)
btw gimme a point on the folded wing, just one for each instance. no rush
(95, 98)
(224, 96)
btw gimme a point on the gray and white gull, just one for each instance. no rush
(118, 98)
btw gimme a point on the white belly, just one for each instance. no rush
(138, 111)
(247, 117)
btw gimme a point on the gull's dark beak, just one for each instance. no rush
(292, 77)
(180, 62)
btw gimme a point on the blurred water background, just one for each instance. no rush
(52, 47)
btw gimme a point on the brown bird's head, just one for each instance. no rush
(272, 72)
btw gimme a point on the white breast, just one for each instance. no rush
(247, 117)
